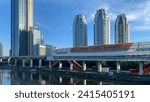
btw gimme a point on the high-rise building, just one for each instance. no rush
(1, 49)
(122, 29)
(21, 27)
(101, 28)
(79, 31)
(38, 39)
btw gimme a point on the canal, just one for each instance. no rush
(14, 76)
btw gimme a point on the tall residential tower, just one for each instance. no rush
(101, 28)
(79, 31)
(21, 27)
(122, 30)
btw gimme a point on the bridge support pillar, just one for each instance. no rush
(31, 63)
(60, 65)
(23, 63)
(71, 65)
(50, 64)
(99, 66)
(40, 63)
(118, 67)
(84, 66)
(141, 68)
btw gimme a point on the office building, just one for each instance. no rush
(38, 39)
(1, 49)
(21, 27)
(101, 28)
(79, 31)
(122, 29)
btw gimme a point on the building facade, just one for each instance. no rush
(79, 31)
(101, 28)
(38, 39)
(21, 27)
(122, 30)
(1, 49)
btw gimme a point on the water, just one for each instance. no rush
(16, 77)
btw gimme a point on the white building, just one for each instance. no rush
(79, 31)
(101, 28)
(122, 29)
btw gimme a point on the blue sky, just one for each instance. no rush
(55, 18)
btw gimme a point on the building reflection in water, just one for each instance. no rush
(16, 77)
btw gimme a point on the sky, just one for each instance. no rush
(55, 19)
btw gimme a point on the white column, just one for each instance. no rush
(50, 64)
(60, 65)
(100, 83)
(141, 68)
(31, 63)
(23, 62)
(23, 76)
(71, 65)
(40, 63)
(99, 66)
(118, 67)
(84, 66)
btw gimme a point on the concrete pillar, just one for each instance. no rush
(118, 67)
(40, 63)
(60, 80)
(50, 64)
(60, 65)
(31, 63)
(84, 82)
(84, 66)
(23, 63)
(71, 66)
(141, 68)
(99, 66)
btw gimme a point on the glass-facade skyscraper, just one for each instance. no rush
(122, 30)
(21, 27)
(79, 31)
(101, 28)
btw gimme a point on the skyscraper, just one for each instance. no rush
(21, 27)
(1, 49)
(122, 29)
(79, 31)
(101, 28)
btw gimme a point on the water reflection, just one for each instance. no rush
(16, 77)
